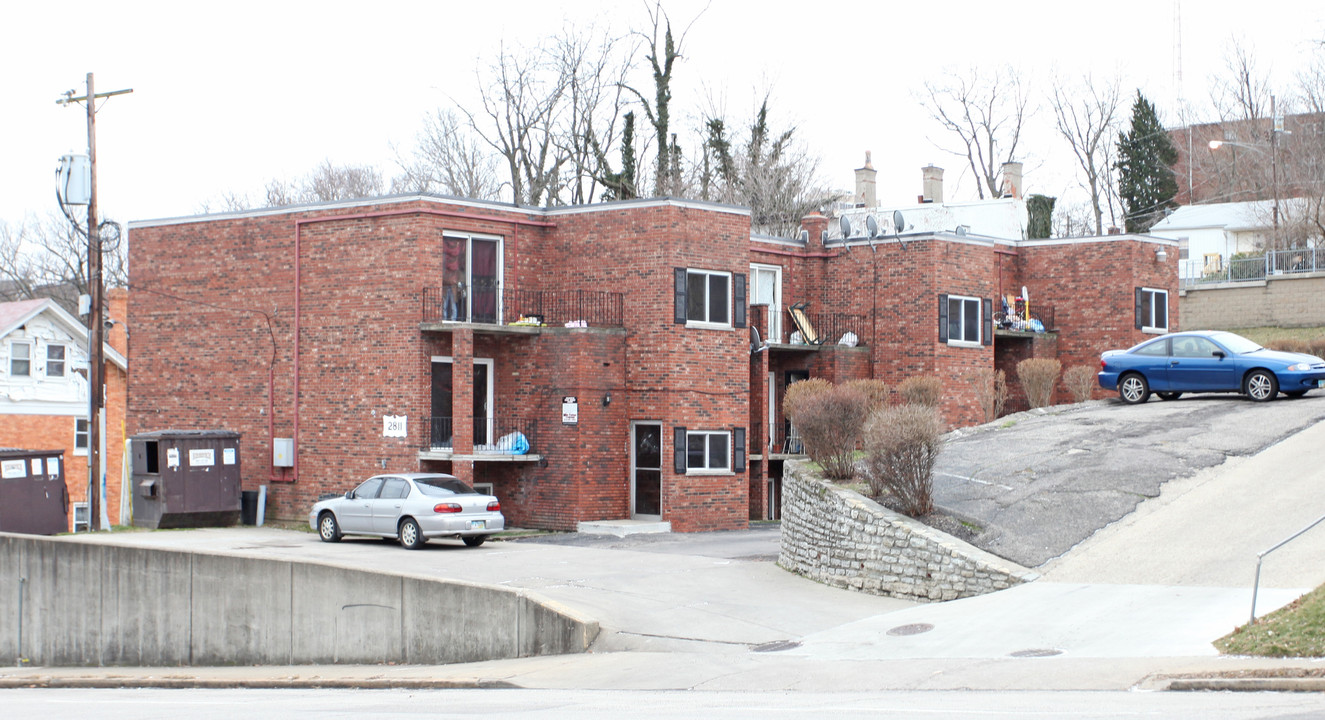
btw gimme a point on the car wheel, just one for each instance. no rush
(327, 528)
(411, 537)
(1261, 385)
(1295, 393)
(1169, 395)
(1133, 389)
(474, 540)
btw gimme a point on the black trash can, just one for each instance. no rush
(248, 507)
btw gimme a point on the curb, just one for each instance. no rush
(1314, 684)
(182, 683)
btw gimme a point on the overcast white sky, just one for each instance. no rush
(229, 95)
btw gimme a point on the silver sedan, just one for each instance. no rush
(414, 507)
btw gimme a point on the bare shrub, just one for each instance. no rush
(901, 445)
(876, 392)
(798, 391)
(1081, 381)
(1290, 345)
(920, 390)
(1038, 377)
(830, 424)
(1318, 347)
(991, 389)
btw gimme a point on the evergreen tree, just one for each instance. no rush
(1146, 155)
(1040, 208)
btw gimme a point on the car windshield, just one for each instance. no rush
(1236, 343)
(442, 486)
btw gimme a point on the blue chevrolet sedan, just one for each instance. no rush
(1207, 361)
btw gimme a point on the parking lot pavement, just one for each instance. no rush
(1040, 482)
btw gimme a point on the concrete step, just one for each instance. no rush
(622, 528)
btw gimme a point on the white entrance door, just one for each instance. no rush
(766, 289)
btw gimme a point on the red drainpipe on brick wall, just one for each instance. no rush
(298, 236)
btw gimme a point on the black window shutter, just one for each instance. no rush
(1140, 308)
(738, 445)
(738, 298)
(943, 318)
(987, 337)
(680, 296)
(679, 450)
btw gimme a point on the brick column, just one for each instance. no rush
(462, 401)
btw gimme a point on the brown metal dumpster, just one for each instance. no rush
(33, 496)
(185, 478)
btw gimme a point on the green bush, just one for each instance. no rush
(902, 444)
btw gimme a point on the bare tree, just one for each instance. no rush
(1242, 90)
(771, 173)
(595, 71)
(446, 159)
(48, 258)
(986, 111)
(1087, 118)
(663, 52)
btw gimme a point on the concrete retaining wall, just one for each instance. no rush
(843, 539)
(87, 604)
(1278, 301)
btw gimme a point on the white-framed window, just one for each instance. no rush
(963, 320)
(1184, 248)
(20, 359)
(708, 298)
(708, 451)
(55, 356)
(80, 436)
(472, 269)
(1152, 310)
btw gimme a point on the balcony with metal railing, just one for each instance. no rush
(494, 305)
(495, 439)
(827, 328)
(1252, 267)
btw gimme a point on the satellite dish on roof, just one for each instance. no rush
(871, 226)
(845, 223)
(899, 222)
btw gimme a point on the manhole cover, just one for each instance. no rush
(776, 646)
(912, 629)
(1037, 652)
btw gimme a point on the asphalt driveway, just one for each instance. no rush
(1040, 482)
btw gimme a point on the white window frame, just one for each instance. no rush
(1184, 248)
(81, 449)
(979, 322)
(13, 358)
(773, 330)
(708, 322)
(1149, 325)
(691, 435)
(63, 361)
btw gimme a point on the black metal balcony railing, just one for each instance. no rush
(554, 308)
(1044, 312)
(784, 440)
(494, 435)
(831, 327)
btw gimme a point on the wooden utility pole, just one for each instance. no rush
(96, 331)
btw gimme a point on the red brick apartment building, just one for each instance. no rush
(588, 363)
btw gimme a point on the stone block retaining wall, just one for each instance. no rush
(843, 539)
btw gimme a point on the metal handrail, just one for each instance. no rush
(1261, 556)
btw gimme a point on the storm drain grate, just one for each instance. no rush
(776, 646)
(912, 629)
(1037, 652)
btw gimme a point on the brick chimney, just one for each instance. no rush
(865, 184)
(1011, 180)
(931, 184)
(815, 224)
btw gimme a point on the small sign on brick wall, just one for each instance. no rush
(394, 426)
(570, 410)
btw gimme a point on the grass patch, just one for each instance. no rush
(1266, 335)
(1295, 630)
(1007, 424)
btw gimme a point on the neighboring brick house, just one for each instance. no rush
(641, 396)
(44, 392)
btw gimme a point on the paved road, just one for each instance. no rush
(1043, 481)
